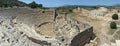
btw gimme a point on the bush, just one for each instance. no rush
(33, 5)
(115, 16)
(113, 25)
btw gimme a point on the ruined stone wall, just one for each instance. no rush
(64, 31)
(102, 11)
(72, 32)
(84, 37)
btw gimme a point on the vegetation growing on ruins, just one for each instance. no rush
(113, 25)
(115, 16)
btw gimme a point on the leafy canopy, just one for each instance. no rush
(113, 25)
(34, 5)
(115, 16)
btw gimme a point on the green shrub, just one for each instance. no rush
(113, 25)
(115, 16)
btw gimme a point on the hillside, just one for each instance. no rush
(69, 8)
(11, 3)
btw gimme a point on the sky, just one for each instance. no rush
(56, 3)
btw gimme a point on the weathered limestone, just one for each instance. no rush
(41, 29)
(69, 28)
(80, 10)
(11, 36)
(102, 11)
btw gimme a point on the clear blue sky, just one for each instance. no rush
(55, 3)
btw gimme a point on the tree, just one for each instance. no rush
(5, 5)
(115, 16)
(40, 5)
(95, 7)
(70, 10)
(33, 4)
(113, 25)
(0, 4)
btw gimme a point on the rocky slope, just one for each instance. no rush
(11, 35)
